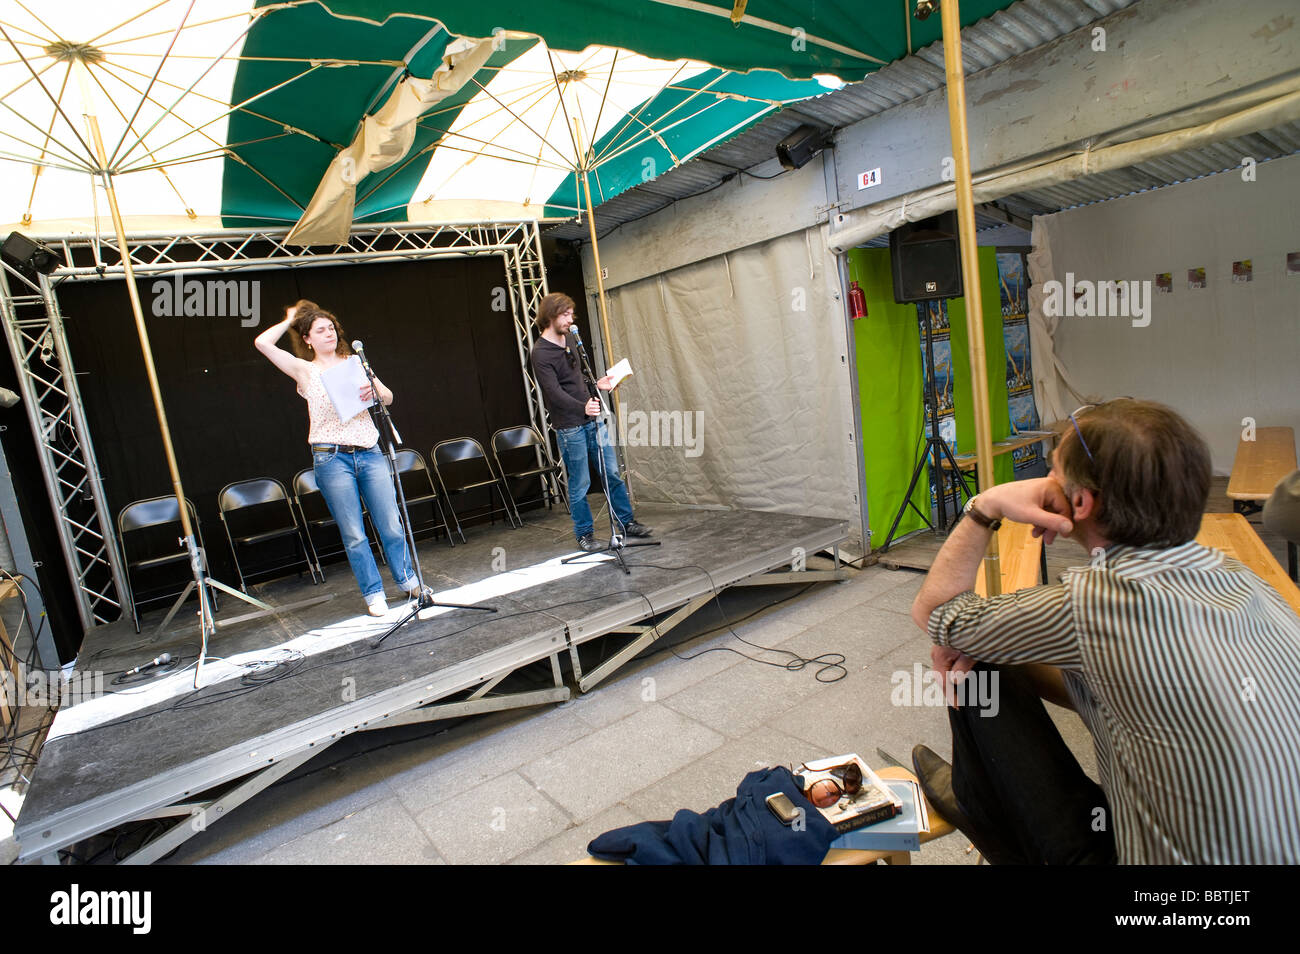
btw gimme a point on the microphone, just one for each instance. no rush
(162, 660)
(361, 353)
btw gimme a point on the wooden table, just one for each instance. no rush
(1023, 439)
(1231, 533)
(1259, 465)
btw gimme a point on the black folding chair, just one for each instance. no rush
(318, 522)
(462, 466)
(156, 550)
(520, 453)
(418, 489)
(257, 512)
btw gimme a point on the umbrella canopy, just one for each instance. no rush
(219, 113)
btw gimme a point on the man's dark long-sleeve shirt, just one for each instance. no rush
(561, 382)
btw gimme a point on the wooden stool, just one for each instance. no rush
(939, 826)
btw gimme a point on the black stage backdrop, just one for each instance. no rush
(438, 333)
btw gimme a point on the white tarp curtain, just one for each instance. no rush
(750, 348)
(1233, 116)
(1218, 355)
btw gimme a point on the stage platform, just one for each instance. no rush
(278, 691)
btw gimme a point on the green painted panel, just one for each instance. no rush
(888, 354)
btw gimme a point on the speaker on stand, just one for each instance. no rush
(925, 258)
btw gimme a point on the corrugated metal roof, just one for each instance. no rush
(1007, 34)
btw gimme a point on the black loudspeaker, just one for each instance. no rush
(926, 259)
(29, 256)
(796, 149)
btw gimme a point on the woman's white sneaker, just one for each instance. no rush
(377, 605)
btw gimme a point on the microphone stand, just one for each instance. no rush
(424, 602)
(616, 541)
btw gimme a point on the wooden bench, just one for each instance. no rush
(853, 856)
(1231, 533)
(1024, 563)
(1258, 467)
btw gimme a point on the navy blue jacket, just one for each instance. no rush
(740, 831)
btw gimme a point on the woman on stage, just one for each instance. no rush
(348, 464)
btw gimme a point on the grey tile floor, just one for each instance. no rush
(674, 731)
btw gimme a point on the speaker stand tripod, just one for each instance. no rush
(937, 450)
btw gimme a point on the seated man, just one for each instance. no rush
(1178, 659)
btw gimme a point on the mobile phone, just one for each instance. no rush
(783, 808)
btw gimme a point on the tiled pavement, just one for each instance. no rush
(535, 786)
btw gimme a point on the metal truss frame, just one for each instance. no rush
(34, 328)
(48, 384)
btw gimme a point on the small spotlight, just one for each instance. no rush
(28, 255)
(8, 398)
(926, 7)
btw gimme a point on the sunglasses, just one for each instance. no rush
(1089, 407)
(846, 780)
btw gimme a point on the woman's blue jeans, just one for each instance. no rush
(345, 480)
(577, 446)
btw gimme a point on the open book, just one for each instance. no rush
(620, 371)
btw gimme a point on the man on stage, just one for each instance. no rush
(575, 415)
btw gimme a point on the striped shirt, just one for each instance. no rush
(1181, 663)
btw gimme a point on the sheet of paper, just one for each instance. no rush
(343, 383)
(620, 371)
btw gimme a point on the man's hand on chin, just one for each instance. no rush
(1040, 502)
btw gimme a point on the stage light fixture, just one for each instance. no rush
(926, 7)
(796, 149)
(28, 255)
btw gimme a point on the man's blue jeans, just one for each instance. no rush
(345, 479)
(577, 446)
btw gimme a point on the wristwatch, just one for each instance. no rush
(985, 522)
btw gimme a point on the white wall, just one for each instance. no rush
(1219, 355)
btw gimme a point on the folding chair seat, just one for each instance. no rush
(520, 453)
(153, 548)
(461, 465)
(258, 512)
(418, 489)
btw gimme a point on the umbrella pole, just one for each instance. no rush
(970, 268)
(201, 580)
(600, 290)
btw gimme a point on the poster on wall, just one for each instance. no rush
(1196, 278)
(1012, 277)
(1242, 272)
(1165, 283)
(936, 315)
